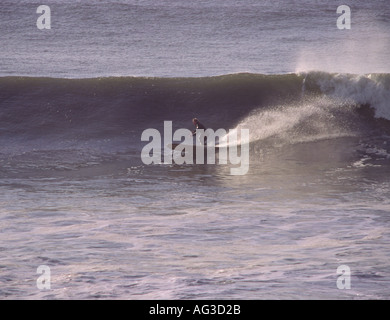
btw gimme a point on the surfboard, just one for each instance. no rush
(185, 146)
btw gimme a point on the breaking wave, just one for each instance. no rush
(288, 107)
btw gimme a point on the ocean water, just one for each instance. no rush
(76, 197)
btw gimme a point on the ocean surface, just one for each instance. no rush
(77, 198)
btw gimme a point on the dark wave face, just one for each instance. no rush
(292, 107)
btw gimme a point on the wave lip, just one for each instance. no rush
(371, 89)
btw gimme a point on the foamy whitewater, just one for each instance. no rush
(75, 196)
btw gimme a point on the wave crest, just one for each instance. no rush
(293, 106)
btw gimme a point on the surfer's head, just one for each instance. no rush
(195, 121)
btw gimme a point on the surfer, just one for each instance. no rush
(198, 125)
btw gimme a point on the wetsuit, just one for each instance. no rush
(200, 126)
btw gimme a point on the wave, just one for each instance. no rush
(289, 106)
(372, 89)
